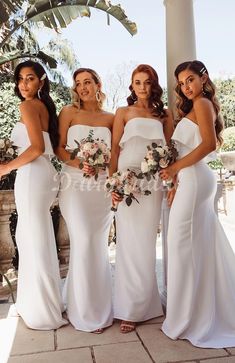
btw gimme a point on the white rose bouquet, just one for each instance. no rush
(126, 184)
(94, 152)
(157, 157)
(7, 151)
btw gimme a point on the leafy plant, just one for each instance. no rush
(54, 14)
(9, 285)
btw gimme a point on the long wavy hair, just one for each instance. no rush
(155, 102)
(184, 105)
(44, 97)
(76, 101)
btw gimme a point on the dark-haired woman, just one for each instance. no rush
(144, 120)
(201, 263)
(39, 300)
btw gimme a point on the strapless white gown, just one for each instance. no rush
(39, 300)
(136, 296)
(201, 263)
(86, 209)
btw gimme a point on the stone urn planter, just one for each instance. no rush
(7, 249)
(228, 160)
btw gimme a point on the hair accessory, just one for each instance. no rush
(44, 76)
(202, 70)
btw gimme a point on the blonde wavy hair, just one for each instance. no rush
(184, 105)
(75, 99)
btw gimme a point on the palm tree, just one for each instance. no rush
(54, 14)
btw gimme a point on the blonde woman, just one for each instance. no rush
(86, 208)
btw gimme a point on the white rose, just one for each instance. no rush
(144, 167)
(163, 163)
(160, 151)
(87, 146)
(100, 159)
(2, 143)
(127, 189)
(10, 151)
(152, 162)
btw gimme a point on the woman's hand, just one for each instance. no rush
(4, 169)
(168, 173)
(170, 196)
(116, 198)
(87, 169)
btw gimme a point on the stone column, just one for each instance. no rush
(180, 38)
(64, 246)
(7, 248)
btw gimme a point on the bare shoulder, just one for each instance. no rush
(202, 104)
(29, 105)
(108, 115)
(108, 118)
(123, 113)
(67, 112)
(204, 109)
(68, 109)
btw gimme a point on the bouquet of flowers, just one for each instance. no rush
(158, 157)
(95, 152)
(7, 151)
(126, 184)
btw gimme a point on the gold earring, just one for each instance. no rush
(98, 96)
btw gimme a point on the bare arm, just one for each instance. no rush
(30, 116)
(117, 132)
(168, 126)
(64, 124)
(205, 118)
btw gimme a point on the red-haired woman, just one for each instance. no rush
(201, 262)
(144, 120)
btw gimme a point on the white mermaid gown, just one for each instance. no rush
(201, 263)
(136, 295)
(39, 299)
(86, 209)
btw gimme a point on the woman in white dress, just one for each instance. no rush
(86, 208)
(144, 120)
(39, 300)
(201, 263)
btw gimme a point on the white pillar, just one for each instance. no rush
(180, 47)
(180, 38)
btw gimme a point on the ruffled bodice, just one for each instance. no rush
(146, 128)
(79, 132)
(20, 138)
(139, 132)
(187, 136)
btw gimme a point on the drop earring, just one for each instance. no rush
(39, 93)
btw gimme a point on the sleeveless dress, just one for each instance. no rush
(39, 300)
(136, 296)
(201, 262)
(87, 211)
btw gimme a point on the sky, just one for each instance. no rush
(104, 47)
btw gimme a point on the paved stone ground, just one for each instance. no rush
(146, 345)
(66, 345)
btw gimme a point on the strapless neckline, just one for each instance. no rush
(143, 118)
(91, 127)
(188, 119)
